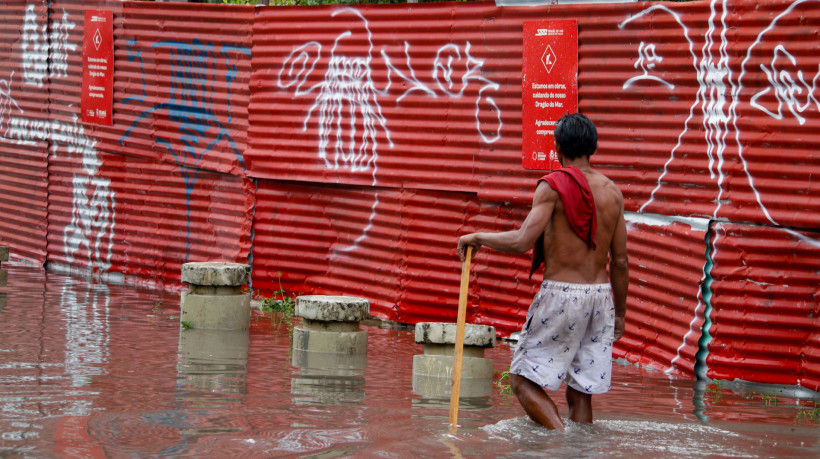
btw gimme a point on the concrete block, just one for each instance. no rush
(445, 333)
(4, 253)
(227, 312)
(216, 273)
(332, 308)
(344, 343)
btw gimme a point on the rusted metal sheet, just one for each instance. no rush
(764, 306)
(143, 219)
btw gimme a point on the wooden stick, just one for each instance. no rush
(459, 344)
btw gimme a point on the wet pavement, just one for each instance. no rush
(95, 370)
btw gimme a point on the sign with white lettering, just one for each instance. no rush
(549, 87)
(98, 67)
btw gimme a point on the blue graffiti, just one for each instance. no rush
(189, 107)
(135, 54)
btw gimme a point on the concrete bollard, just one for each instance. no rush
(215, 299)
(433, 370)
(330, 349)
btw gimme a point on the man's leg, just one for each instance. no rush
(538, 405)
(580, 405)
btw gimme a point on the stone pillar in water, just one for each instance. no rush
(330, 349)
(215, 299)
(433, 370)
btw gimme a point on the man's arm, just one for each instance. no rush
(619, 272)
(522, 239)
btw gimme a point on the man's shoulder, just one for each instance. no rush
(607, 186)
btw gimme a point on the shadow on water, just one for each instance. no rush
(94, 370)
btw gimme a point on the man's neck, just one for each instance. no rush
(581, 163)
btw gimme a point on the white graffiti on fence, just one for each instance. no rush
(7, 105)
(61, 48)
(641, 55)
(347, 97)
(35, 49)
(91, 225)
(647, 58)
(786, 87)
(786, 90)
(717, 98)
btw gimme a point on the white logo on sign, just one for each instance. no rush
(97, 39)
(548, 59)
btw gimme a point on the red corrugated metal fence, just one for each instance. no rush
(344, 149)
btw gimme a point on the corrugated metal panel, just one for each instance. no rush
(180, 83)
(765, 285)
(23, 186)
(391, 96)
(665, 313)
(306, 236)
(777, 117)
(23, 123)
(144, 219)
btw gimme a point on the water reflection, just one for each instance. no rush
(328, 378)
(213, 365)
(95, 370)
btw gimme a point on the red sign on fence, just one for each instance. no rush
(550, 87)
(98, 67)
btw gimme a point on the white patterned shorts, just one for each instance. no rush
(568, 337)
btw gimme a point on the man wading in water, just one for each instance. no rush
(577, 225)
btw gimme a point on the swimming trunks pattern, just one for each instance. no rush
(568, 336)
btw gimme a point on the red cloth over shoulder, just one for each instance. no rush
(579, 207)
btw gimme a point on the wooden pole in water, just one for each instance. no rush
(459, 344)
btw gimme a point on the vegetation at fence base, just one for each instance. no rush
(809, 414)
(185, 325)
(280, 307)
(503, 381)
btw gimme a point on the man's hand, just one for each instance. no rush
(464, 241)
(619, 327)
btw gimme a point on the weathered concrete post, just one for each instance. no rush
(433, 370)
(330, 349)
(215, 299)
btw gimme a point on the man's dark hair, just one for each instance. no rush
(577, 136)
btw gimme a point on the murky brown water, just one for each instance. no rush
(92, 370)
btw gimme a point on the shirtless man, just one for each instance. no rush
(579, 311)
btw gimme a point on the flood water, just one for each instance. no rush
(95, 370)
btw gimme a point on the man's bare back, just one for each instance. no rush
(568, 258)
